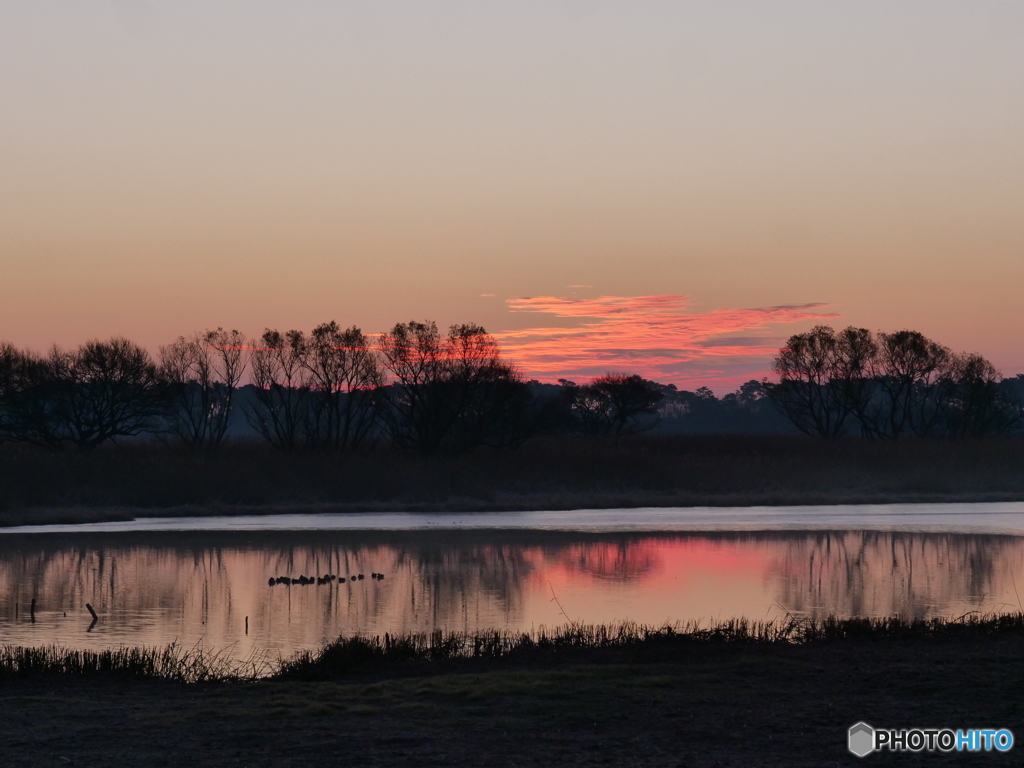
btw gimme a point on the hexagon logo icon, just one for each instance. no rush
(861, 739)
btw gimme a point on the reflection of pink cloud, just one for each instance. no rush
(655, 336)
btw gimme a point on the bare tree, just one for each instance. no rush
(898, 383)
(201, 373)
(103, 390)
(853, 380)
(281, 387)
(450, 392)
(415, 355)
(491, 401)
(1010, 403)
(807, 392)
(589, 411)
(344, 377)
(614, 404)
(910, 373)
(634, 402)
(27, 399)
(12, 363)
(977, 404)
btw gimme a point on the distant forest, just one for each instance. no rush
(414, 387)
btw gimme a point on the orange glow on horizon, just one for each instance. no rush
(659, 337)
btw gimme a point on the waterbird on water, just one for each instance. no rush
(303, 580)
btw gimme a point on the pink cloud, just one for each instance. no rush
(659, 337)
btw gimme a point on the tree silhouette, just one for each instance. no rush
(281, 388)
(809, 390)
(103, 390)
(890, 385)
(614, 404)
(979, 403)
(449, 392)
(201, 374)
(911, 370)
(28, 399)
(344, 377)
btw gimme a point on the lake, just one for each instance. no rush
(205, 580)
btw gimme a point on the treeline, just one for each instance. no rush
(749, 410)
(333, 389)
(890, 384)
(414, 387)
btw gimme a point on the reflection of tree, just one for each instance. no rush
(116, 580)
(163, 589)
(154, 589)
(622, 560)
(877, 574)
(458, 586)
(153, 594)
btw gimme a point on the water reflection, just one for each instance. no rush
(154, 588)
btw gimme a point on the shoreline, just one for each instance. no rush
(81, 515)
(384, 656)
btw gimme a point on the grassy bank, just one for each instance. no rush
(387, 655)
(120, 482)
(742, 695)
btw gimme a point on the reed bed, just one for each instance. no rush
(172, 663)
(123, 481)
(348, 655)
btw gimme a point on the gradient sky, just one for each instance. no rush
(721, 174)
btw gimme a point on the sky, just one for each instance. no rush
(670, 188)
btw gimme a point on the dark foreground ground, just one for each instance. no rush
(146, 479)
(705, 705)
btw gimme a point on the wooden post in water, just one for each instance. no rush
(32, 610)
(247, 625)
(95, 618)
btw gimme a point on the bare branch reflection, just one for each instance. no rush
(156, 588)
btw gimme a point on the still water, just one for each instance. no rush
(152, 586)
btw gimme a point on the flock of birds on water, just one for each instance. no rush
(318, 580)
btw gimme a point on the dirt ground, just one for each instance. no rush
(704, 705)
